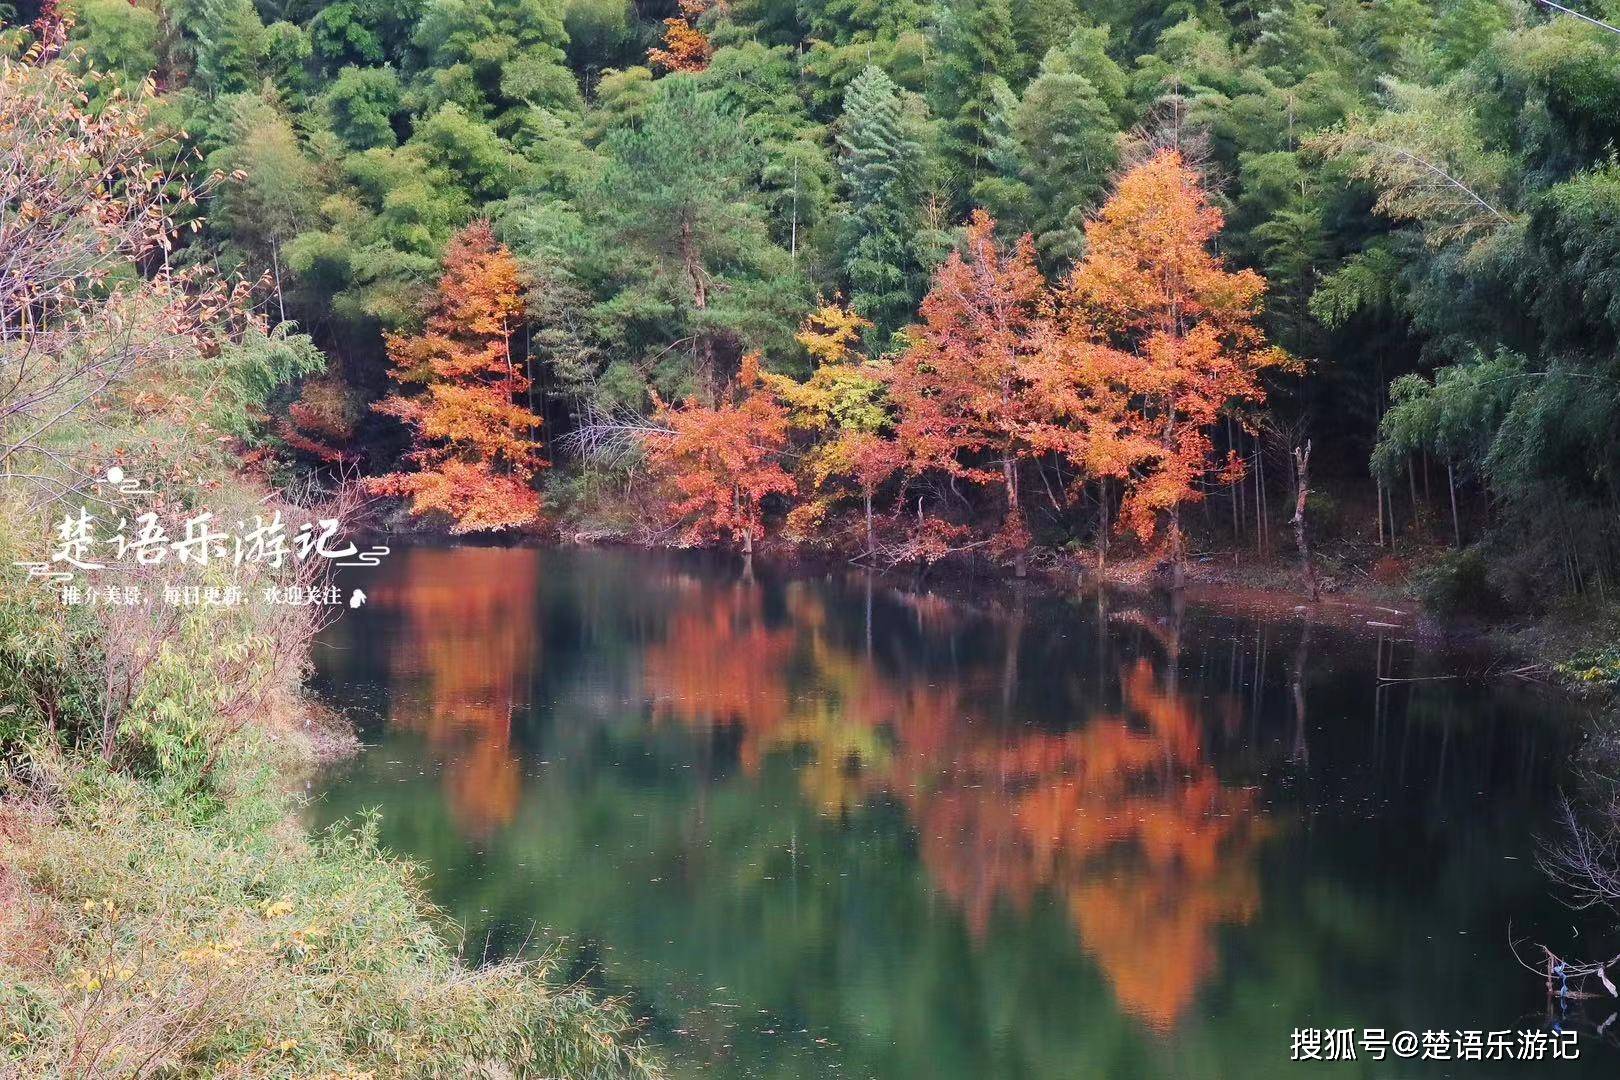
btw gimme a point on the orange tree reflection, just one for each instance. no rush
(1122, 815)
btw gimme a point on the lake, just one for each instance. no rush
(838, 826)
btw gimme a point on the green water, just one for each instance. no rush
(838, 827)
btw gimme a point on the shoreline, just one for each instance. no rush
(1266, 588)
(1256, 588)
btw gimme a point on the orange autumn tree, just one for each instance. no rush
(686, 48)
(717, 465)
(473, 456)
(1167, 339)
(967, 388)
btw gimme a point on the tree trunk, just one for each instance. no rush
(1232, 491)
(1009, 472)
(1451, 482)
(1178, 571)
(703, 346)
(1102, 530)
(1411, 484)
(1266, 505)
(1242, 492)
(275, 265)
(1051, 496)
(793, 235)
(748, 530)
(1378, 487)
(871, 543)
(1260, 497)
(1302, 462)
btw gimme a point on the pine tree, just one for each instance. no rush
(975, 47)
(675, 206)
(882, 166)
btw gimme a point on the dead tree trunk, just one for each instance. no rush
(1302, 489)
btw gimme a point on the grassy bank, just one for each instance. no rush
(139, 941)
(162, 913)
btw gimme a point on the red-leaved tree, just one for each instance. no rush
(473, 455)
(717, 465)
(967, 391)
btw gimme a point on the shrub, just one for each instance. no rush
(1457, 583)
(1598, 667)
(156, 688)
(47, 690)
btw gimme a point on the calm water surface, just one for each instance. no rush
(817, 828)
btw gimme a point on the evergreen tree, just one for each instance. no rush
(362, 31)
(882, 167)
(1004, 193)
(684, 241)
(1068, 139)
(272, 194)
(118, 37)
(495, 58)
(975, 49)
(844, 22)
(360, 105)
(1038, 27)
(227, 41)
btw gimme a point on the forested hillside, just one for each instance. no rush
(919, 279)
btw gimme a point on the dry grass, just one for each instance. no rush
(137, 943)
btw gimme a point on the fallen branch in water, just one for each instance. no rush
(1564, 970)
(1535, 673)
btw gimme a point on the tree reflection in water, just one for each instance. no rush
(469, 617)
(808, 824)
(1119, 813)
